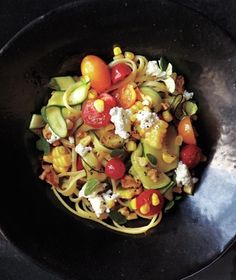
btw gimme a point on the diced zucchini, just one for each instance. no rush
(61, 83)
(67, 113)
(36, 121)
(43, 114)
(154, 96)
(77, 93)
(56, 98)
(56, 121)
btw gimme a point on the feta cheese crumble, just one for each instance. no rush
(53, 138)
(71, 139)
(183, 176)
(82, 150)
(121, 119)
(188, 95)
(146, 119)
(154, 70)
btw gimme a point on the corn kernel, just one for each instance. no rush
(129, 55)
(58, 151)
(99, 105)
(146, 108)
(178, 140)
(144, 209)
(167, 116)
(133, 118)
(139, 104)
(155, 199)
(133, 204)
(60, 169)
(92, 94)
(120, 56)
(117, 50)
(131, 146)
(86, 140)
(168, 158)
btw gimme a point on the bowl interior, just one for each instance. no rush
(197, 230)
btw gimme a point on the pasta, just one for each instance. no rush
(116, 148)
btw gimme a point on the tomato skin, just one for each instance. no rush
(190, 155)
(97, 71)
(119, 72)
(108, 99)
(79, 164)
(126, 96)
(92, 117)
(145, 198)
(115, 168)
(185, 129)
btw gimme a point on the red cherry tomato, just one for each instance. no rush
(119, 72)
(115, 168)
(126, 96)
(185, 129)
(108, 99)
(92, 117)
(149, 202)
(97, 71)
(191, 155)
(79, 164)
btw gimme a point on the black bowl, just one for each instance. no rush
(203, 226)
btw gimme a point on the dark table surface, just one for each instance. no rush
(14, 14)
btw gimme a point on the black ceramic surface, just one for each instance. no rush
(203, 225)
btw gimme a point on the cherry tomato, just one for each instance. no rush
(115, 168)
(79, 164)
(126, 96)
(138, 94)
(119, 72)
(92, 117)
(185, 129)
(97, 71)
(108, 99)
(191, 155)
(149, 202)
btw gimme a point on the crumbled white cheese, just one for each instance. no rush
(121, 119)
(53, 138)
(71, 139)
(188, 95)
(98, 204)
(183, 176)
(146, 119)
(154, 70)
(146, 102)
(82, 150)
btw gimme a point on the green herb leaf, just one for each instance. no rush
(178, 197)
(90, 186)
(117, 217)
(152, 159)
(117, 152)
(163, 63)
(43, 146)
(169, 205)
(190, 108)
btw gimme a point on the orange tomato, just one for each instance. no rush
(97, 71)
(185, 129)
(127, 96)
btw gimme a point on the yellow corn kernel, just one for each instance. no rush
(132, 216)
(58, 151)
(64, 160)
(142, 161)
(129, 55)
(60, 169)
(139, 104)
(155, 199)
(167, 116)
(99, 105)
(92, 94)
(146, 108)
(133, 204)
(178, 140)
(110, 203)
(131, 146)
(133, 118)
(117, 51)
(144, 209)
(48, 158)
(168, 158)
(86, 140)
